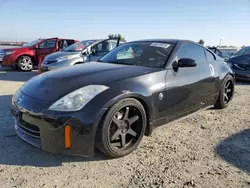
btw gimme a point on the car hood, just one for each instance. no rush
(16, 48)
(242, 59)
(56, 55)
(53, 85)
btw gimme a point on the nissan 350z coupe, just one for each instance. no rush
(112, 103)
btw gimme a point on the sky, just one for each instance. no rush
(214, 21)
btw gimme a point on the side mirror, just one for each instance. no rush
(186, 62)
(37, 46)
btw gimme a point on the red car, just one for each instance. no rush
(32, 53)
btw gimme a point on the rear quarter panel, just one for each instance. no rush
(221, 71)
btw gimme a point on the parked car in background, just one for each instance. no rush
(111, 104)
(72, 55)
(227, 52)
(224, 53)
(32, 53)
(240, 64)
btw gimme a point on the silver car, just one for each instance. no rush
(72, 55)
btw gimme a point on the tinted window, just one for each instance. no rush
(210, 56)
(62, 44)
(113, 44)
(48, 44)
(191, 51)
(102, 47)
(148, 54)
(70, 42)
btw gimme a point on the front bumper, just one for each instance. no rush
(48, 67)
(242, 75)
(45, 130)
(7, 61)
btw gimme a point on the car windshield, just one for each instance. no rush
(148, 54)
(79, 46)
(243, 51)
(32, 42)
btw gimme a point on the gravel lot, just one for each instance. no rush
(208, 149)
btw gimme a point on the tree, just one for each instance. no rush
(117, 36)
(201, 42)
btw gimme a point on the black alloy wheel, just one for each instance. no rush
(226, 93)
(122, 128)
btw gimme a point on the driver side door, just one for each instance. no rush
(188, 88)
(45, 48)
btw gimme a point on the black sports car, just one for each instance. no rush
(240, 64)
(111, 104)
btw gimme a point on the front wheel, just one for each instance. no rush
(122, 129)
(226, 93)
(25, 63)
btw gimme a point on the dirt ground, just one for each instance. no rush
(208, 149)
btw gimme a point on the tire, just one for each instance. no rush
(14, 67)
(25, 63)
(108, 131)
(227, 88)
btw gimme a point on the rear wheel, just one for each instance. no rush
(226, 93)
(25, 63)
(122, 129)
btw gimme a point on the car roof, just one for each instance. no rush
(175, 41)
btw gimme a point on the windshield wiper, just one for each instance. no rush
(69, 50)
(119, 63)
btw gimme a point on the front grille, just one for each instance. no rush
(51, 61)
(29, 129)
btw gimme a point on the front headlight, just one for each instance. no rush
(77, 99)
(64, 58)
(9, 52)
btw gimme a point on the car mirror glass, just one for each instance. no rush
(186, 62)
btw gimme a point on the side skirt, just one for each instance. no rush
(164, 121)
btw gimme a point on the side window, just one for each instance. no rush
(65, 44)
(102, 47)
(113, 44)
(60, 44)
(70, 42)
(48, 44)
(210, 56)
(191, 51)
